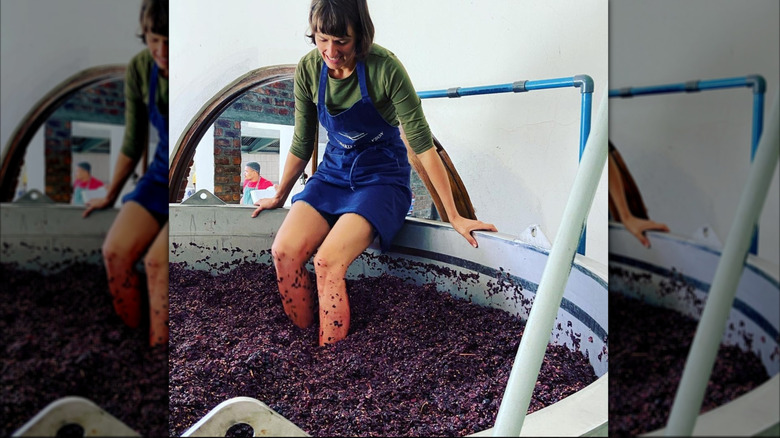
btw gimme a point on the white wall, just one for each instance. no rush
(517, 154)
(46, 41)
(690, 152)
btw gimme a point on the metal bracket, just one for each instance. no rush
(34, 196)
(203, 197)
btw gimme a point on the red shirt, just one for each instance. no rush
(92, 184)
(260, 184)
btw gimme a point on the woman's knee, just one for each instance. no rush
(115, 253)
(156, 266)
(286, 253)
(329, 265)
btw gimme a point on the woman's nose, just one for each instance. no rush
(330, 49)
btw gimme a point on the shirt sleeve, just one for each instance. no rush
(408, 106)
(305, 113)
(136, 117)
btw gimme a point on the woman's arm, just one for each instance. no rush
(433, 166)
(633, 224)
(293, 168)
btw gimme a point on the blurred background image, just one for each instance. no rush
(62, 89)
(686, 157)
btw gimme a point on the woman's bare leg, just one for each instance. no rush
(300, 234)
(156, 266)
(131, 233)
(348, 239)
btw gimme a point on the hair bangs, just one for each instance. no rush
(327, 20)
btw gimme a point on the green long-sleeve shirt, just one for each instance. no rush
(388, 84)
(137, 77)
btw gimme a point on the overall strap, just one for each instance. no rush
(323, 83)
(153, 88)
(361, 70)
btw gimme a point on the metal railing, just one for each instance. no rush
(583, 82)
(755, 82)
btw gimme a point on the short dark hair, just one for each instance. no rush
(86, 166)
(154, 18)
(254, 165)
(333, 17)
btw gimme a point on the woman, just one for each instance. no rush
(253, 181)
(141, 226)
(359, 92)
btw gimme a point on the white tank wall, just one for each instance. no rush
(517, 154)
(690, 152)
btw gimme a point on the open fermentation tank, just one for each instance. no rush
(754, 322)
(216, 237)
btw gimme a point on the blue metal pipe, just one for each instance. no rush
(583, 82)
(756, 82)
(515, 87)
(759, 88)
(585, 113)
(690, 86)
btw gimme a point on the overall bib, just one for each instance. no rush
(152, 190)
(365, 169)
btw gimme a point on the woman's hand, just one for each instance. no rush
(266, 204)
(637, 227)
(466, 226)
(97, 204)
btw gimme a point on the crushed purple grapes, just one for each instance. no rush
(61, 337)
(648, 348)
(416, 362)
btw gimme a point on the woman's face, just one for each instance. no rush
(158, 46)
(337, 52)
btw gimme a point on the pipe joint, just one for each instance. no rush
(757, 83)
(692, 86)
(519, 86)
(453, 92)
(584, 83)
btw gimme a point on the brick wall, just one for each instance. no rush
(104, 103)
(58, 160)
(273, 103)
(227, 160)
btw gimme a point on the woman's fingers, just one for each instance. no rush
(257, 211)
(94, 205)
(264, 204)
(466, 226)
(87, 211)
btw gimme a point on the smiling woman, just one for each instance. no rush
(361, 93)
(140, 229)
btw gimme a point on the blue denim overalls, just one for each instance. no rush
(152, 190)
(365, 169)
